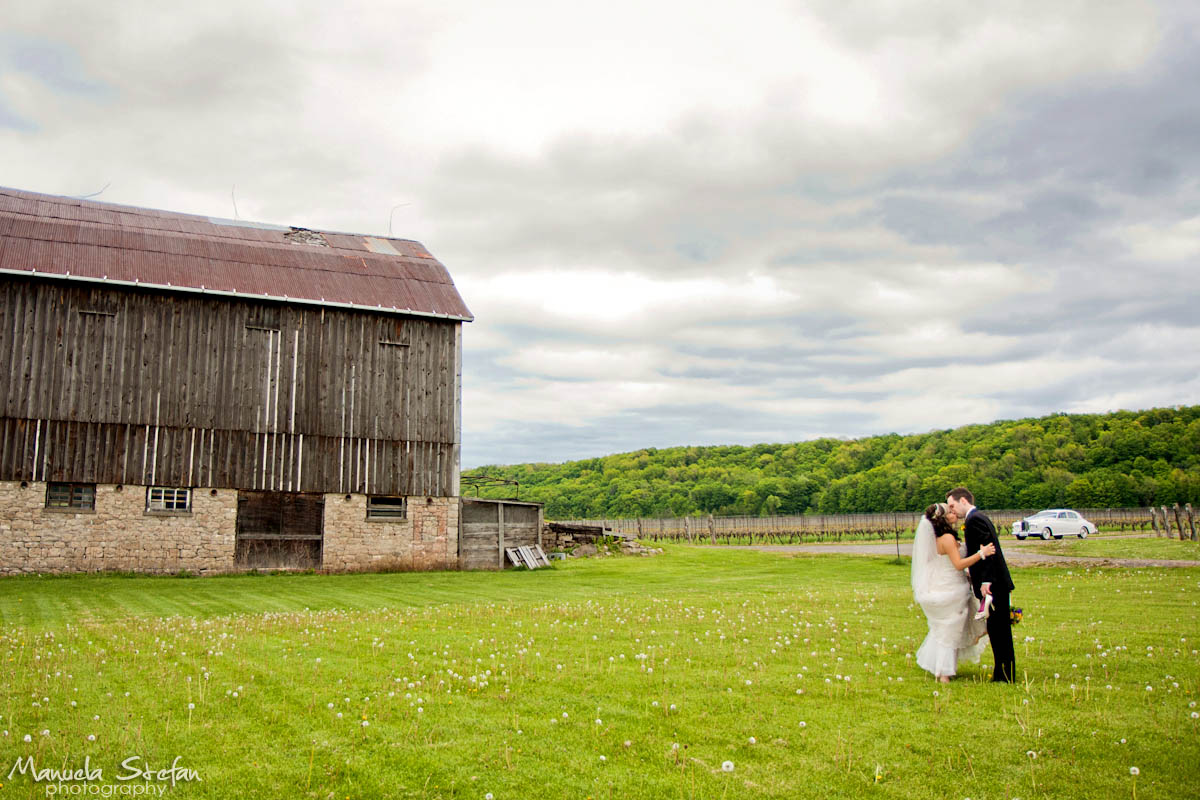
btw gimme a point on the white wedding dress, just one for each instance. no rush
(944, 593)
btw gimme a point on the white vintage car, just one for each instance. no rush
(1056, 522)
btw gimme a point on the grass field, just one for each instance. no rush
(1104, 546)
(618, 677)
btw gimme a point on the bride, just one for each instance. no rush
(943, 590)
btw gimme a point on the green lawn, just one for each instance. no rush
(1110, 547)
(618, 677)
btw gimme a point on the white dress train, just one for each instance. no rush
(945, 595)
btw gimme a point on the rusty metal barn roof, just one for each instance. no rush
(63, 237)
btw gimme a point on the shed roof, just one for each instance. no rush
(64, 237)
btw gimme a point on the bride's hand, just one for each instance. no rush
(988, 550)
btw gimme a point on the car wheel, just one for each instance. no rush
(1046, 533)
(1083, 532)
(1020, 537)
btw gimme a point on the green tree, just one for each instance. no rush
(1123, 458)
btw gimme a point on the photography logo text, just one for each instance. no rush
(135, 777)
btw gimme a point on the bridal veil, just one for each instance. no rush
(924, 557)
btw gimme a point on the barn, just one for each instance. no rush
(186, 393)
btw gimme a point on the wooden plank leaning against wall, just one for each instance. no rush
(141, 387)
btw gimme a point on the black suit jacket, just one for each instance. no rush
(993, 569)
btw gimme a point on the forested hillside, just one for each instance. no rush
(1127, 458)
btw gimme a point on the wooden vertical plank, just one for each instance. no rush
(456, 433)
(218, 374)
(215, 375)
(10, 348)
(19, 403)
(315, 373)
(102, 389)
(10, 352)
(112, 407)
(49, 362)
(74, 352)
(167, 384)
(35, 320)
(191, 368)
(500, 535)
(368, 347)
(63, 365)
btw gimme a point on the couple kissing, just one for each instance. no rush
(963, 587)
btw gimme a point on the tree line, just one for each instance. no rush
(1120, 459)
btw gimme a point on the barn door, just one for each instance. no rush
(279, 530)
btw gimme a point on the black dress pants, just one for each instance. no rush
(999, 630)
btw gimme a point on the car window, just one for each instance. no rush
(1063, 515)
(1072, 515)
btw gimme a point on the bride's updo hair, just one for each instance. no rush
(936, 514)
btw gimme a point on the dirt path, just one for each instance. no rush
(1016, 558)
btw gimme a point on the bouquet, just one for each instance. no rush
(1016, 615)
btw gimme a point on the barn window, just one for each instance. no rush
(168, 499)
(71, 496)
(380, 507)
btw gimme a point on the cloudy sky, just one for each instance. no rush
(684, 223)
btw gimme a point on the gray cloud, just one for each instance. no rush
(797, 242)
(660, 428)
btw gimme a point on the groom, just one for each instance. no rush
(993, 570)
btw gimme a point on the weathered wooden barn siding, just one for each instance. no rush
(144, 387)
(488, 526)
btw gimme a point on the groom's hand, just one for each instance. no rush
(986, 589)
